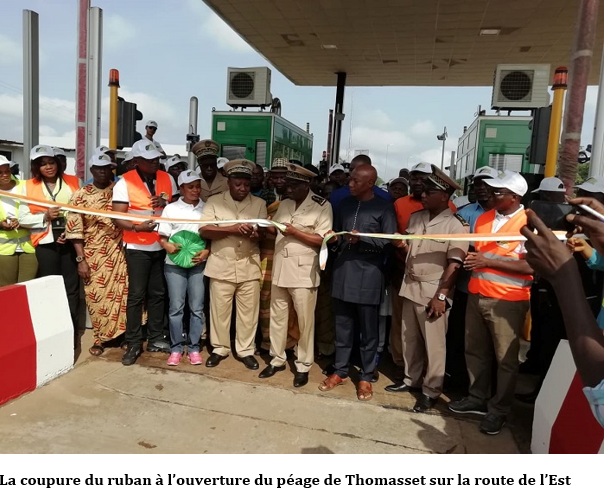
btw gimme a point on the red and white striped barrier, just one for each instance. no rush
(563, 421)
(36, 335)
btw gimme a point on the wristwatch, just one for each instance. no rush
(441, 297)
(79, 259)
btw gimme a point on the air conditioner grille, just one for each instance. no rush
(517, 85)
(242, 85)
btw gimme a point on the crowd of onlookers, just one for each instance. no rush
(448, 311)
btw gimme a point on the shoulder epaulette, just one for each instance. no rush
(319, 200)
(461, 220)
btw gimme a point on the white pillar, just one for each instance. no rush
(94, 67)
(31, 88)
(596, 157)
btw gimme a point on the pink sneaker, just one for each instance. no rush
(174, 359)
(195, 358)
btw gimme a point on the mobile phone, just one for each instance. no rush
(553, 214)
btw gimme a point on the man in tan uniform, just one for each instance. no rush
(295, 278)
(431, 270)
(213, 182)
(234, 264)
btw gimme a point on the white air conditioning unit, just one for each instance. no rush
(521, 86)
(249, 87)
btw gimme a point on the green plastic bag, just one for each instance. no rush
(191, 243)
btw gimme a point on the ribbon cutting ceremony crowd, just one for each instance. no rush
(447, 311)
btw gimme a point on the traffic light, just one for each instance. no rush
(539, 127)
(128, 115)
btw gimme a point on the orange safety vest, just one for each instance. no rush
(34, 189)
(493, 283)
(138, 196)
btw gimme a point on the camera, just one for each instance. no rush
(553, 214)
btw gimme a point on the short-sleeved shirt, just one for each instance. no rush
(120, 195)
(157, 144)
(499, 222)
(427, 259)
(63, 195)
(296, 264)
(233, 258)
(180, 209)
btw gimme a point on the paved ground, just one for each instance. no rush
(104, 407)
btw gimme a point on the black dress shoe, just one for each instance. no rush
(402, 387)
(131, 355)
(214, 359)
(375, 377)
(270, 370)
(301, 379)
(424, 403)
(160, 346)
(250, 362)
(329, 370)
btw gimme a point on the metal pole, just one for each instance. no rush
(93, 102)
(453, 165)
(329, 143)
(31, 87)
(554, 131)
(341, 79)
(596, 156)
(81, 86)
(581, 60)
(114, 85)
(192, 137)
(444, 136)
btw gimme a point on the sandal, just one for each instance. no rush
(331, 382)
(364, 391)
(96, 350)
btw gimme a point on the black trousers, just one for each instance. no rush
(60, 260)
(348, 315)
(455, 361)
(145, 287)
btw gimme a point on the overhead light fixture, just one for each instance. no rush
(489, 31)
(329, 46)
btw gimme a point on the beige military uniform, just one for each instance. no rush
(234, 270)
(219, 185)
(295, 277)
(423, 339)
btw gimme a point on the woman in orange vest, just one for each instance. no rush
(55, 254)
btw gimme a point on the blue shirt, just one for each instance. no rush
(470, 213)
(594, 395)
(341, 193)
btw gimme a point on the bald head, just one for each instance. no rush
(360, 159)
(362, 181)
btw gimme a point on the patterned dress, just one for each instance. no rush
(107, 289)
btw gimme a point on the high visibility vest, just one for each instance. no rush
(10, 239)
(138, 196)
(494, 283)
(35, 190)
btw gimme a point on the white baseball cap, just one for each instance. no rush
(151, 123)
(188, 176)
(461, 201)
(5, 161)
(221, 161)
(100, 160)
(174, 160)
(41, 151)
(103, 150)
(486, 172)
(424, 167)
(127, 156)
(336, 167)
(59, 151)
(507, 179)
(551, 184)
(592, 185)
(146, 150)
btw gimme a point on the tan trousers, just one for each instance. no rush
(303, 301)
(492, 328)
(246, 308)
(423, 344)
(396, 337)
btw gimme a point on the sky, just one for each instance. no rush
(168, 51)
